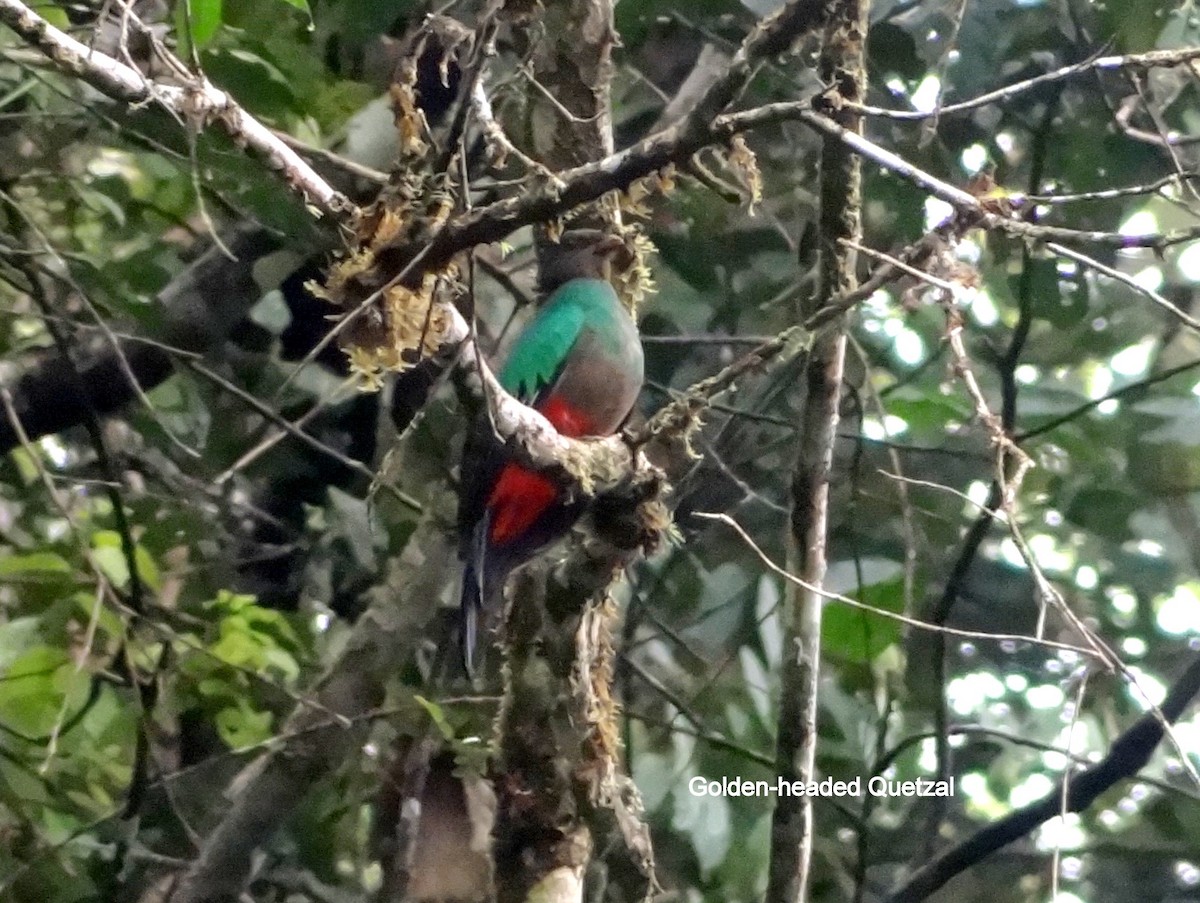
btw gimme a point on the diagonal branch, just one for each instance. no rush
(197, 102)
(677, 144)
(1127, 755)
(1104, 270)
(200, 306)
(771, 37)
(1134, 62)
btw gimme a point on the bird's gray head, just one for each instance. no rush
(580, 253)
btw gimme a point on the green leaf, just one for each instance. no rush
(437, 716)
(278, 661)
(146, 568)
(272, 624)
(30, 693)
(228, 603)
(243, 726)
(238, 647)
(215, 688)
(55, 16)
(16, 636)
(855, 634)
(255, 81)
(33, 564)
(109, 556)
(104, 203)
(1135, 24)
(108, 621)
(20, 786)
(205, 19)
(333, 105)
(109, 552)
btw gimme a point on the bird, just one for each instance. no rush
(579, 363)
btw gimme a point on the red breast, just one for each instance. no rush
(520, 495)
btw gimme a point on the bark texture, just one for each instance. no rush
(842, 66)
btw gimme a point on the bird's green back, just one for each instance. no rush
(540, 351)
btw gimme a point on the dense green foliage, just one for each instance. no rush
(246, 577)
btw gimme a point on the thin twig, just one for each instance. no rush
(1135, 61)
(883, 612)
(1105, 270)
(282, 422)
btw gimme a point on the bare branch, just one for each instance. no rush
(197, 102)
(1137, 62)
(1131, 389)
(1103, 269)
(916, 623)
(1127, 755)
(843, 66)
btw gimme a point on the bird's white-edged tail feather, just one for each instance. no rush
(482, 590)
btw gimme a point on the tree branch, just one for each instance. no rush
(842, 65)
(1128, 754)
(1137, 62)
(196, 102)
(572, 188)
(555, 773)
(265, 792)
(200, 306)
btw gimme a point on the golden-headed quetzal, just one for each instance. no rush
(579, 363)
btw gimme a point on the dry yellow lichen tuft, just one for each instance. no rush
(409, 118)
(366, 365)
(392, 324)
(633, 200)
(340, 276)
(602, 709)
(418, 321)
(404, 326)
(381, 224)
(744, 165)
(658, 526)
(665, 178)
(555, 229)
(635, 281)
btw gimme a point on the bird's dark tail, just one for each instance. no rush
(472, 603)
(482, 589)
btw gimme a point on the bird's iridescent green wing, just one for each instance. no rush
(538, 356)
